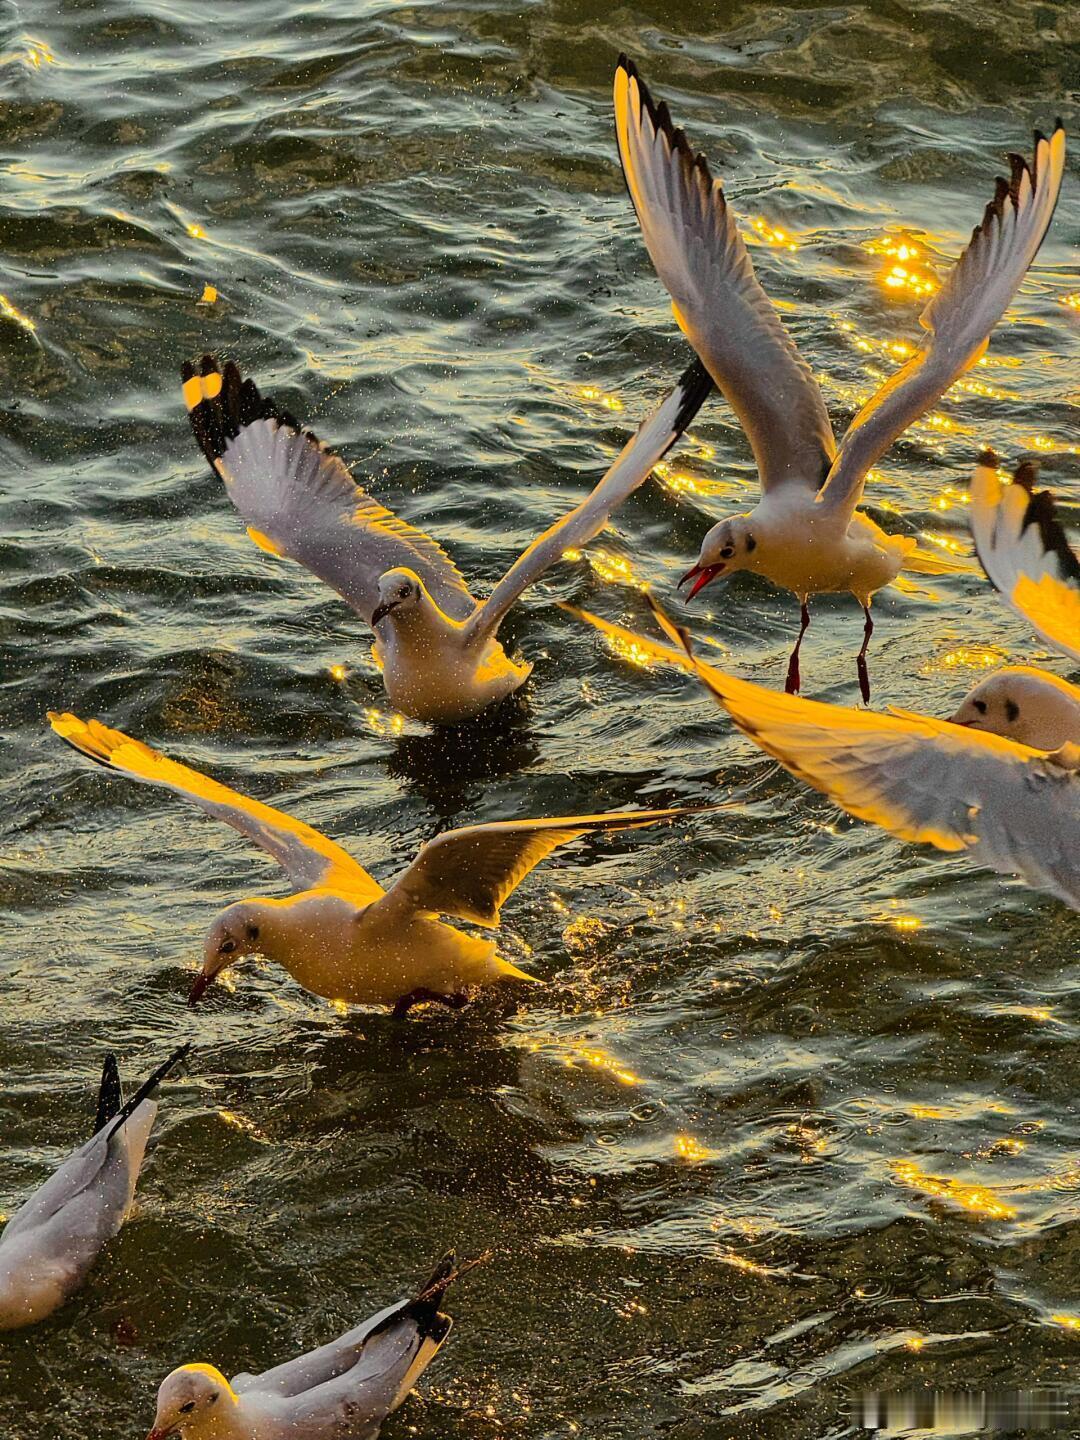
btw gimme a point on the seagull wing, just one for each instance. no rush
(299, 499)
(308, 858)
(719, 304)
(960, 317)
(658, 432)
(469, 873)
(1026, 554)
(1015, 809)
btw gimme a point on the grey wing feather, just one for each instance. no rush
(1026, 554)
(300, 501)
(959, 318)
(719, 304)
(655, 437)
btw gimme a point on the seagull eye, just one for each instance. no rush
(980, 706)
(227, 947)
(727, 552)
(188, 1408)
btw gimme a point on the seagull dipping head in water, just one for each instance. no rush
(342, 935)
(345, 1388)
(1030, 706)
(437, 646)
(807, 534)
(51, 1242)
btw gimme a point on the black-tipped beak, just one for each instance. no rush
(199, 989)
(701, 576)
(381, 611)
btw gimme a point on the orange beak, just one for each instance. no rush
(701, 576)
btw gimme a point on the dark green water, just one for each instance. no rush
(757, 1145)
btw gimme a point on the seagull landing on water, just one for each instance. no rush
(437, 646)
(806, 534)
(342, 935)
(50, 1244)
(345, 1388)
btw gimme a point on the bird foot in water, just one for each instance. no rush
(864, 679)
(793, 681)
(423, 996)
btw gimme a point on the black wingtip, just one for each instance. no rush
(988, 457)
(1026, 475)
(110, 1095)
(696, 384)
(147, 1088)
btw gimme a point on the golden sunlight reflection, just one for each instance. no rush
(691, 1150)
(900, 271)
(607, 566)
(208, 296)
(241, 1122)
(596, 396)
(1049, 444)
(1071, 302)
(12, 312)
(963, 657)
(381, 723)
(768, 234)
(338, 672)
(1067, 1322)
(582, 1055)
(978, 1200)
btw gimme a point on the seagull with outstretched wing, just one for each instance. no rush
(806, 534)
(341, 935)
(438, 647)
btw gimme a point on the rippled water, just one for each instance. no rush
(794, 1117)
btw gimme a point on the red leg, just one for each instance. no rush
(864, 673)
(793, 678)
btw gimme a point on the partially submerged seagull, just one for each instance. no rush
(1011, 807)
(345, 1388)
(437, 646)
(806, 534)
(1025, 552)
(51, 1242)
(342, 935)
(1032, 706)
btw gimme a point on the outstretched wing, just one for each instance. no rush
(1026, 554)
(657, 434)
(959, 318)
(719, 304)
(300, 501)
(1014, 809)
(470, 872)
(308, 858)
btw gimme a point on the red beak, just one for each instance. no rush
(197, 991)
(157, 1434)
(701, 575)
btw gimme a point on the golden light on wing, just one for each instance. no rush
(1050, 602)
(11, 312)
(980, 1200)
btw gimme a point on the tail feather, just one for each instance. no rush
(110, 1095)
(147, 1088)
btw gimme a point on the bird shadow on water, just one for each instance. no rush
(446, 766)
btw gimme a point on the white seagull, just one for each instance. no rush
(1011, 807)
(342, 1391)
(436, 645)
(1025, 552)
(51, 1242)
(342, 935)
(806, 534)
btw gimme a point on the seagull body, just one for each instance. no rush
(437, 646)
(807, 535)
(51, 1243)
(1022, 546)
(342, 1391)
(1024, 704)
(1010, 807)
(342, 935)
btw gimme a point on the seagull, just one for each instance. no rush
(341, 935)
(1029, 705)
(1011, 807)
(344, 1389)
(52, 1241)
(1022, 546)
(436, 645)
(806, 533)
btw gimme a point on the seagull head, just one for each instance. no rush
(194, 1403)
(401, 594)
(726, 548)
(237, 931)
(1029, 706)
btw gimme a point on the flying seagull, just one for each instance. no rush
(440, 658)
(806, 533)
